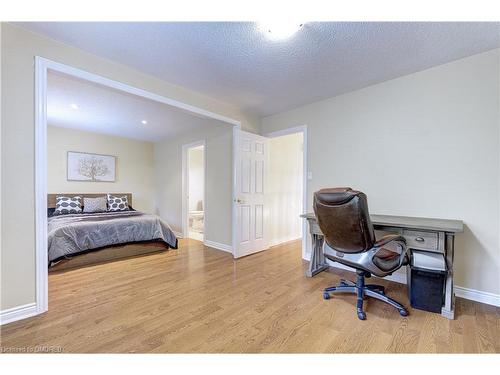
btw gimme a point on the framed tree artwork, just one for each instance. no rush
(91, 167)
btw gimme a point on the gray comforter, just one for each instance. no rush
(73, 234)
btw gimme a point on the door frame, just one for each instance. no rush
(185, 185)
(293, 130)
(42, 66)
(234, 213)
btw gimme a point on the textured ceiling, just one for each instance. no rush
(109, 111)
(237, 64)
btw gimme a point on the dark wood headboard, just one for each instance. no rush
(51, 198)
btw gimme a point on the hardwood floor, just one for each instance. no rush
(197, 299)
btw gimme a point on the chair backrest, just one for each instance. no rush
(343, 217)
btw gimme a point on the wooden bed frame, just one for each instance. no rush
(108, 253)
(51, 198)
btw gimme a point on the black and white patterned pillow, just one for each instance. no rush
(94, 204)
(68, 205)
(117, 203)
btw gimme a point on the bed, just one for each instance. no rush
(76, 240)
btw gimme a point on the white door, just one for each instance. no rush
(250, 186)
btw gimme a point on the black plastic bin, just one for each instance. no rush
(427, 280)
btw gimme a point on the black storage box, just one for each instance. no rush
(427, 280)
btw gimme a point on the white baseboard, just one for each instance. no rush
(283, 240)
(218, 246)
(17, 313)
(478, 296)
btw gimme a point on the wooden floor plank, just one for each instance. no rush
(198, 299)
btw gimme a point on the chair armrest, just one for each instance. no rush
(397, 245)
(389, 238)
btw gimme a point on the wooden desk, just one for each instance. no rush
(437, 235)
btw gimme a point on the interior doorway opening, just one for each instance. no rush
(286, 185)
(42, 67)
(195, 191)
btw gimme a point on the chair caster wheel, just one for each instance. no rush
(326, 295)
(361, 315)
(403, 312)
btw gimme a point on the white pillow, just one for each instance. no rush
(94, 204)
(117, 203)
(68, 205)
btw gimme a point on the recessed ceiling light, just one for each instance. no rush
(280, 29)
(144, 122)
(74, 106)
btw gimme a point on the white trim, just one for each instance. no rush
(19, 312)
(236, 162)
(298, 129)
(66, 69)
(478, 296)
(286, 131)
(42, 65)
(283, 241)
(41, 266)
(397, 277)
(185, 184)
(218, 246)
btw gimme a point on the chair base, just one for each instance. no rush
(361, 290)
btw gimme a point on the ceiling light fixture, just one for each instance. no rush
(74, 106)
(144, 122)
(279, 29)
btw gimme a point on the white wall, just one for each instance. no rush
(196, 178)
(134, 165)
(1, 175)
(426, 144)
(168, 173)
(285, 179)
(19, 48)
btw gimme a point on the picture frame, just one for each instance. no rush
(88, 167)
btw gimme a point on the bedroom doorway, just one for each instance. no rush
(42, 68)
(194, 162)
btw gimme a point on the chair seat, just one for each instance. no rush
(386, 259)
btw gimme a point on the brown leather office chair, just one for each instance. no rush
(343, 217)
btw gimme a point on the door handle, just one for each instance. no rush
(240, 201)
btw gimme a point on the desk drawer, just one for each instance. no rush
(421, 240)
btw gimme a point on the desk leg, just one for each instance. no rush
(448, 310)
(317, 263)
